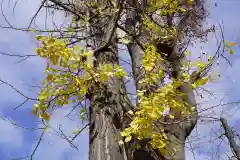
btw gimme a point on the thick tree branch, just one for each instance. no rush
(112, 28)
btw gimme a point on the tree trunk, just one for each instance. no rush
(107, 102)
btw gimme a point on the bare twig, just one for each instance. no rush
(79, 132)
(21, 104)
(17, 55)
(67, 139)
(14, 7)
(35, 15)
(19, 126)
(38, 143)
(29, 98)
(5, 18)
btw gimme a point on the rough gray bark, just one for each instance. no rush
(107, 106)
(230, 137)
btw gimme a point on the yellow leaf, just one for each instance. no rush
(226, 44)
(210, 59)
(128, 138)
(163, 151)
(201, 64)
(76, 131)
(39, 37)
(130, 112)
(120, 142)
(182, 10)
(32, 30)
(104, 76)
(41, 115)
(202, 81)
(138, 146)
(43, 82)
(49, 77)
(46, 129)
(44, 116)
(194, 86)
(171, 116)
(123, 134)
(35, 109)
(188, 53)
(125, 41)
(76, 47)
(154, 115)
(231, 51)
(234, 44)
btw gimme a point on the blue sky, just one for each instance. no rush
(16, 142)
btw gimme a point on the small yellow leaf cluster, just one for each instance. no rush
(229, 46)
(107, 70)
(165, 7)
(150, 57)
(200, 82)
(152, 65)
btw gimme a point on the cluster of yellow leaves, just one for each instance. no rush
(151, 111)
(153, 106)
(68, 74)
(152, 61)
